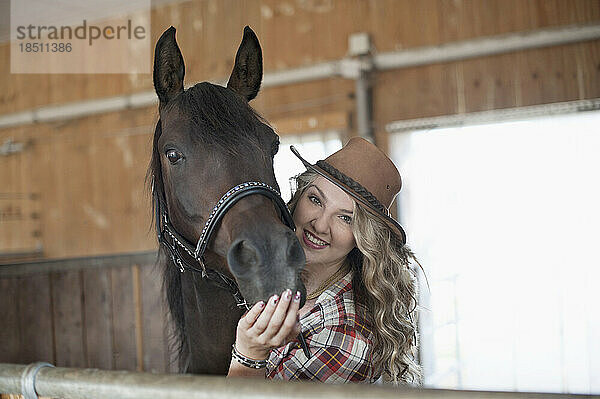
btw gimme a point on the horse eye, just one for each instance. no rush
(174, 156)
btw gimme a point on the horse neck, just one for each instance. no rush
(210, 316)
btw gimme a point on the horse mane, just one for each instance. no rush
(171, 276)
(221, 119)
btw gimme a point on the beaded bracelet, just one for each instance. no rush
(246, 361)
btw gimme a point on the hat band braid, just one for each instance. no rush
(355, 186)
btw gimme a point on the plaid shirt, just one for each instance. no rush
(339, 341)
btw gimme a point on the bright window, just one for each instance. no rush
(505, 219)
(313, 147)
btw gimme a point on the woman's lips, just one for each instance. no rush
(311, 244)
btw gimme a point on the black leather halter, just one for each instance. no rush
(175, 243)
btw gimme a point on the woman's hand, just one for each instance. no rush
(270, 326)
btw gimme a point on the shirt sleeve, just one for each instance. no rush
(338, 354)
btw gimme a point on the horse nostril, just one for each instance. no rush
(242, 255)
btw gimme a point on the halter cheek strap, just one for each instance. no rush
(176, 242)
(230, 198)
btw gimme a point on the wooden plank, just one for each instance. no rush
(111, 191)
(134, 202)
(588, 67)
(98, 318)
(68, 319)
(548, 75)
(489, 83)
(19, 222)
(545, 13)
(398, 25)
(298, 100)
(154, 312)
(95, 210)
(123, 315)
(142, 235)
(43, 182)
(137, 305)
(7, 86)
(54, 193)
(415, 93)
(35, 319)
(250, 14)
(312, 123)
(10, 188)
(75, 173)
(10, 340)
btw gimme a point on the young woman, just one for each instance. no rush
(358, 323)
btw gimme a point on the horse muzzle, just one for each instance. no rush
(265, 266)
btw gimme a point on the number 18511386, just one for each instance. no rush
(45, 47)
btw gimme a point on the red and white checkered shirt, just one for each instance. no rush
(340, 342)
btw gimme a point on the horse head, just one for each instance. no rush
(208, 139)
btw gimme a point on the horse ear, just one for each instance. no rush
(247, 72)
(169, 68)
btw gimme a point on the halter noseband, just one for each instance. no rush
(178, 242)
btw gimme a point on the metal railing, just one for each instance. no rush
(71, 383)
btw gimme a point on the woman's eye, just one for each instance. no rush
(314, 200)
(346, 219)
(174, 156)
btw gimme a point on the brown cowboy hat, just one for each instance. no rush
(364, 172)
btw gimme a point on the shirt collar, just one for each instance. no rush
(337, 288)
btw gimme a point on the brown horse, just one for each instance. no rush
(207, 144)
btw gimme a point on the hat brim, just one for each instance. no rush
(396, 228)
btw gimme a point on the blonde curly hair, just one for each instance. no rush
(385, 287)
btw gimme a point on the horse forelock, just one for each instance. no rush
(221, 118)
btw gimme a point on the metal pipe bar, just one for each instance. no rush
(345, 68)
(72, 383)
(487, 46)
(364, 115)
(305, 74)
(495, 115)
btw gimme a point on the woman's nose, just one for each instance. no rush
(321, 223)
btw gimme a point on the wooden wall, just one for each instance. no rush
(103, 313)
(89, 175)
(296, 33)
(89, 172)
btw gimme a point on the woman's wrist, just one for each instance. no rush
(236, 369)
(252, 353)
(248, 361)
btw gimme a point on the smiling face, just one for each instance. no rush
(323, 218)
